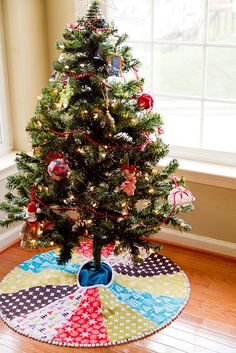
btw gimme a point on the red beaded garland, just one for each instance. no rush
(73, 74)
(139, 147)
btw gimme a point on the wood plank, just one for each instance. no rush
(204, 332)
(200, 338)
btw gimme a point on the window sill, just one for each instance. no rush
(205, 173)
(7, 165)
(197, 172)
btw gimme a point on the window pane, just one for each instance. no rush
(181, 121)
(133, 17)
(178, 69)
(181, 20)
(0, 125)
(143, 52)
(220, 127)
(221, 73)
(222, 21)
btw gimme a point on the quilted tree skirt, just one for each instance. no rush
(62, 305)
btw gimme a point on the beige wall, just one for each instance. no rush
(25, 31)
(32, 28)
(58, 14)
(215, 212)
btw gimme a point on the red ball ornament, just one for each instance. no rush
(145, 101)
(58, 169)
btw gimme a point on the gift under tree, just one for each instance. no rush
(96, 145)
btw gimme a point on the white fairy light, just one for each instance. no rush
(154, 170)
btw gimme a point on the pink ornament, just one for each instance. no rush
(128, 172)
(180, 196)
(58, 169)
(128, 186)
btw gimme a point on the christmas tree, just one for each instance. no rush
(96, 146)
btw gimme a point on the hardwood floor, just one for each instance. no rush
(207, 324)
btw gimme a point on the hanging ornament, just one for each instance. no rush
(128, 186)
(58, 169)
(115, 65)
(65, 96)
(180, 196)
(123, 136)
(30, 231)
(154, 135)
(145, 101)
(115, 79)
(109, 119)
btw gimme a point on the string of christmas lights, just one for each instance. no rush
(98, 213)
(88, 208)
(107, 147)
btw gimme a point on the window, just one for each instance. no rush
(5, 121)
(188, 52)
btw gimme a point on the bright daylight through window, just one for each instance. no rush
(188, 53)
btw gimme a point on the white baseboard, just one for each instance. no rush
(172, 236)
(197, 242)
(9, 237)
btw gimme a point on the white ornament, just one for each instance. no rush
(180, 196)
(124, 136)
(115, 79)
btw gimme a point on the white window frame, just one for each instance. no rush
(6, 143)
(198, 154)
